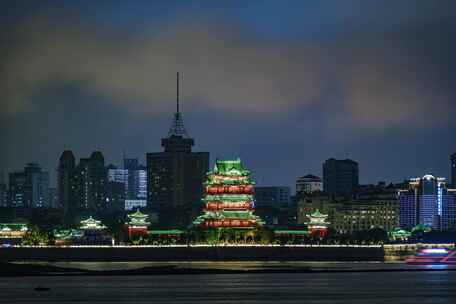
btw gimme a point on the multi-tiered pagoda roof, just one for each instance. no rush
(137, 223)
(137, 219)
(317, 224)
(92, 224)
(317, 220)
(228, 197)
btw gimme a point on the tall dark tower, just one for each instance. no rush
(175, 176)
(65, 185)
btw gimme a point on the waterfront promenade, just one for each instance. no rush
(195, 253)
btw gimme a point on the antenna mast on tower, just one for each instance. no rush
(177, 92)
(177, 127)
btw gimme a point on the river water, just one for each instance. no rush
(426, 286)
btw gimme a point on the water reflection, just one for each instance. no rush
(354, 287)
(248, 265)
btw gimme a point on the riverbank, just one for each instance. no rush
(200, 253)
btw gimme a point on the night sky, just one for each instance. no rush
(282, 84)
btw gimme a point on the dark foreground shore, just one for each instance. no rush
(14, 269)
(282, 253)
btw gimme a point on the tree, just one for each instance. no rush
(378, 235)
(35, 236)
(266, 235)
(212, 236)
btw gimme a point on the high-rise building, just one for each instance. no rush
(115, 196)
(453, 170)
(175, 176)
(3, 195)
(273, 204)
(53, 198)
(309, 184)
(429, 202)
(340, 177)
(40, 190)
(277, 197)
(90, 180)
(134, 178)
(17, 181)
(29, 188)
(65, 181)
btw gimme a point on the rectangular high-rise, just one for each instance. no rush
(429, 202)
(277, 197)
(17, 185)
(3, 195)
(29, 188)
(134, 178)
(175, 177)
(89, 183)
(40, 190)
(175, 181)
(66, 177)
(340, 177)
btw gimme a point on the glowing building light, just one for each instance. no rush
(228, 197)
(434, 251)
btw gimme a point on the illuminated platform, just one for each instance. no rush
(433, 256)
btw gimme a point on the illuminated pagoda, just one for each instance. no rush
(137, 223)
(399, 234)
(92, 224)
(94, 233)
(228, 197)
(64, 237)
(317, 224)
(12, 233)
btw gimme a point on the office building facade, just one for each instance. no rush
(89, 183)
(134, 178)
(340, 177)
(277, 197)
(376, 210)
(273, 204)
(66, 181)
(53, 198)
(309, 184)
(40, 190)
(3, 195)
(29, 188)
(17, 181)
(428, 201)
(115, 196)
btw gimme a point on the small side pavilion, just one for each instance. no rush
(137, 223)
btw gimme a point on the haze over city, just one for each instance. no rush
(282, 87)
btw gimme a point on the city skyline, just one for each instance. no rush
(282, 91)
(228, 151)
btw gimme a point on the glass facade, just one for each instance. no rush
(134, 178)
(428, 202)
(408, 209)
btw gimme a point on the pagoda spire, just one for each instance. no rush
(177, 126)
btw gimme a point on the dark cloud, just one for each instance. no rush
(90, 86)
(383, 82)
